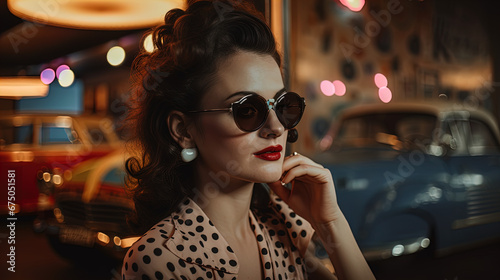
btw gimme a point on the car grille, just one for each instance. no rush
(98, 214)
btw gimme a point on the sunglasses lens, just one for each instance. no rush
(289, 109)
(250, 113)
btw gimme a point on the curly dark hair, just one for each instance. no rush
(188, 49)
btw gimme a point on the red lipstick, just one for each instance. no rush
(270, 153)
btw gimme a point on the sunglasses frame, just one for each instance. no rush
(271, 104)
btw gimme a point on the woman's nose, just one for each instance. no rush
(272, 127)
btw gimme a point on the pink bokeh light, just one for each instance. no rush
(61, 68)
(340, 88)
(353, 5)
(385, 94)
(380, 80)
(327, 88)
(47, 76)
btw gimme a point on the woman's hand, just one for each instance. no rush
(313, 194)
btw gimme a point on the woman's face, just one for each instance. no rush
(224, 150)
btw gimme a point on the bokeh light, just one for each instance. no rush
(385, 94)
(148, 43)
(47, 76)
(61, 68)
(66, 78)
(116, 55)
(353, 5)
(340, 88)
(380, 80)
(327, 88)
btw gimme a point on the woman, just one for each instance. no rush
(212, 117)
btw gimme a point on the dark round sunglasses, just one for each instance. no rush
(251, 111)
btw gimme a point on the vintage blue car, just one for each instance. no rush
(413, 176)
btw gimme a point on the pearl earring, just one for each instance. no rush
(189, 154)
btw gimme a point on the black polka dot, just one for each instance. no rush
(141, 248)
(180, 248)
(221, 274)
(192, 248)
(146, 259)
(210, 223)
(198, 261)
(215, 236)
(199, 278)
(191, 233)
(276, 253)
(263, 219)
(303, 233)
(176, 217)
(267, 278)
(199, 219)
(185, 238)
(186, 202)
(215, 250)
(232, 262)
(283, 263)
(280, 277)
(264, 251)
(291, 268)
(189, 210)
(150, 240)
(199, 229)
(135, 267)
(222, 261)
(163, 231)
(267, 265)
(171, 266)
(278, 244)
(189, 260)
(164, 236)
(126, 266)
(275, 222)
(159, 275)
(260, 238)
(180, 221)
(272, 232)
(288, 225)
(182, 263)
(299, 222)
(130, 253)
(193, 270)
(145, 277)
(157, 252)
(294, 234)
(206, 256)
(229, 249)
(209, 274)
(285, 254)
(276, 263)
(298, 261)
(204, 237)
(281, 232)
(188, 222)
(293, 215)
(201, 244)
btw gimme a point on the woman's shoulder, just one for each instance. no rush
(185, 244)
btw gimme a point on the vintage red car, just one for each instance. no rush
(39, 150)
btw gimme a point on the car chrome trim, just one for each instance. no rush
(476, 220)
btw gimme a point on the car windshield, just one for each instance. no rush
(397, 130)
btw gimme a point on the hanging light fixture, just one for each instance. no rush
(95, 14)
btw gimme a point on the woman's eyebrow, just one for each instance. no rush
(243, 93)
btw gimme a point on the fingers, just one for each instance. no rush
(296, 159)
(315, 174)
(280, 190)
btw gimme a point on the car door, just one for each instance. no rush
(474, 165)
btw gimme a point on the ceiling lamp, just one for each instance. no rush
(18, 87)
(95, 14)
(353, 5)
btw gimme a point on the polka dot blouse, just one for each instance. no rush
(186, 245)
